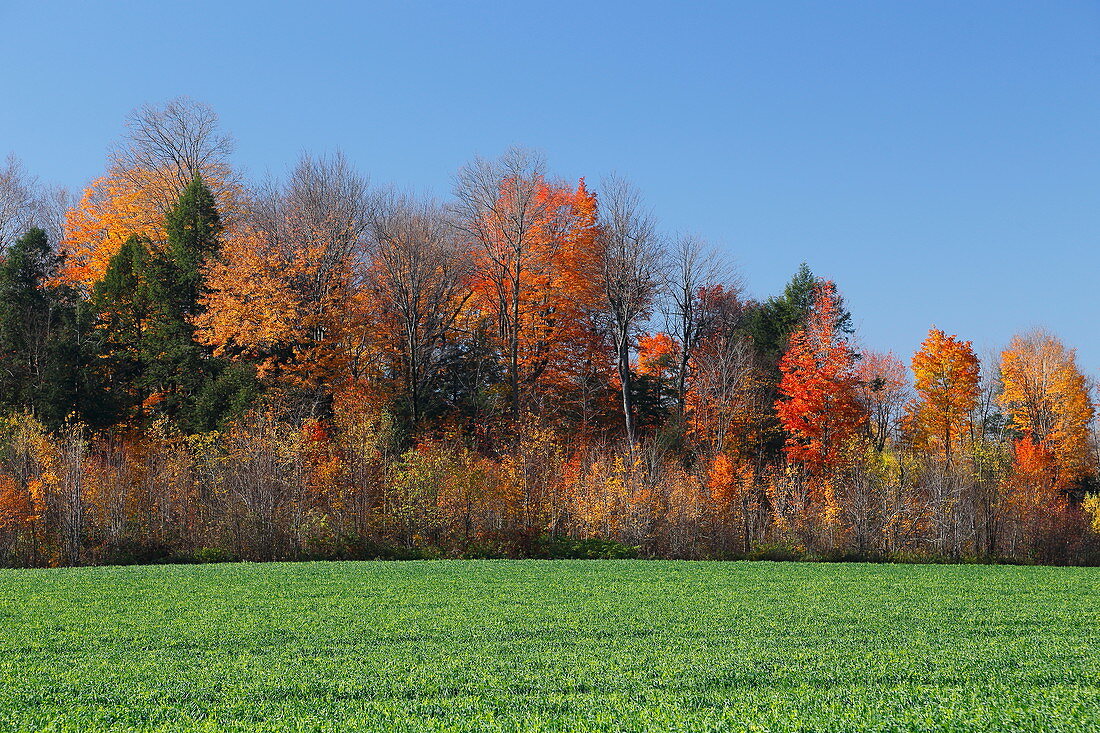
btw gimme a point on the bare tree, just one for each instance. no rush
(631, 275)
(692, 267)
(26, 203)
(72, 449)
(261, 480)
(498, 207)
(326, 206)
(422, 277)
(16, 201)
(883, 391)
(989, 430)
(316, 225)
(168, 145)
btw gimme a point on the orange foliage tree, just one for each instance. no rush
(1047, 400)
(946, 375)
(535, 262)
(288, 291)
(818, 407)
(165, 148)
(658, 355)
(16, 507)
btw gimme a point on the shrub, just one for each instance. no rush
(776, 551)
(131, 552)
(595, 548)
(212, 554)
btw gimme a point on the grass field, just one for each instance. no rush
(550, 645)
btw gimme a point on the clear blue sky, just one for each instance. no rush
(939, 160)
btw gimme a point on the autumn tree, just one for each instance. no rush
(658, 357)
(1047, 400)
(16, 516)
(286, 292)
(818, 405)
(771, 322)
(535, 263)
(655, 377)
(567, 338)
(946, 379)
(630, 274)
(723, 405)
(163, 150)
(421, 280)
(166, 147)
(498, 206)
(768, 326)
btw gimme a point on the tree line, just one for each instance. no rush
(195, 366)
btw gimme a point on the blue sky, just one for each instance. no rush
(939, 160)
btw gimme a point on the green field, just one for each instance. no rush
(550, 645)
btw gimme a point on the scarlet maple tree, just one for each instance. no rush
(818, 407)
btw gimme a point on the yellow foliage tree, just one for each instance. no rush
(946, 375)
(1047, 400)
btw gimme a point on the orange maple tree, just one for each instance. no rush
(287, 293)
(535, 265)
(1047, 400)
(658, 355)
(818, 407)
(946, 374)
(16, 506)
(119, 205)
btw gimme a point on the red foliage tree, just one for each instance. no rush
(818, 407)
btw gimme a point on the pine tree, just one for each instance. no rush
(121, 305)
(771, 323)
(184, 381)
(40, 356)
(145, 308)
(176, 366)
(194, 229)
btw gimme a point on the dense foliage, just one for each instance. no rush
(192, 366)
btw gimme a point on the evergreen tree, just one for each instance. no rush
(146, 304)
(121, 304)
(184, 381)
(771, 323)
(176, 366)
(40, 338)
(194, 227)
